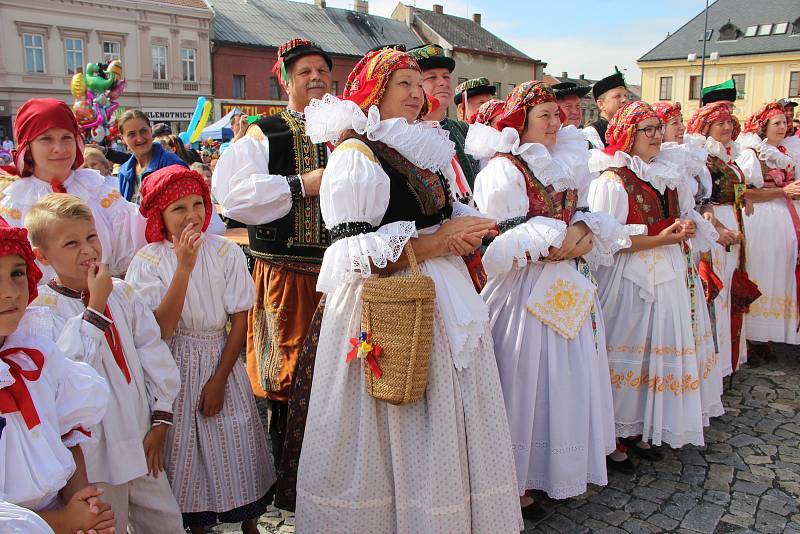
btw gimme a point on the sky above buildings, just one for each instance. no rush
(577, 36)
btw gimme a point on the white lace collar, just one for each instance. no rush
(425, 144)
(774, 158)
(663, 172)
(693, 155)
(714, 147)
(565, 167)
(84, 183)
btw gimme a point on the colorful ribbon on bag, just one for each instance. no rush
(365, 349)
(16, 397)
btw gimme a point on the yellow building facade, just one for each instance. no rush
(765, 77)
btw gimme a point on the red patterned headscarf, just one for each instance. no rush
(757, 122)
(703, 118)
(367, 82)
(524, 96)
(162, 188)
(15, 241)
(34, 118)
(667, 111)
(621, 131)
(488, 111)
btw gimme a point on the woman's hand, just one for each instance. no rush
(462, 235)
(674, 233)
(212, 397)
(690, 228)
(792, 189)
(574, 235)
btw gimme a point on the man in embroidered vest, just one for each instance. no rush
(269, 179)
(470, 94)
(610, 93)
(436, 69)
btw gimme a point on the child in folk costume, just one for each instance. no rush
(644, 294)
(772, 259)
(49, 160)
(695, 192)
(442, 463)
(547, 324)
(49, 405)
(715, 128)
(102, 322)
(217, 460)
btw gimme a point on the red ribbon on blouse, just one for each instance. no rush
(16, 397)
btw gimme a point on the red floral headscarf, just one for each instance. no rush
(757, 122)
(621, 131)
(15, 241)
(703, 118)
(524, 96)
(367, 82)
(667, 111)
(34, 118)
(487, 111)
(162, 188)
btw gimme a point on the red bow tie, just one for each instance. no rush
(58, 187)
(16, 397)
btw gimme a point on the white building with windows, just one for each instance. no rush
(163, 46)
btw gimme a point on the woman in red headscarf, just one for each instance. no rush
(443, 463)
(644, 293)
(481, 141)
(773, 229)
(195, 282)
(49, 159)
(547, 327)
(691, 156)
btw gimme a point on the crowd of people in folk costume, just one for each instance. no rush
(593, 289)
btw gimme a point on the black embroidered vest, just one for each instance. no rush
(300, 237)
(724, 178)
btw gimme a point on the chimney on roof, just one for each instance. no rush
(320, 3)
(582, 77)
(564, 74)
(476, 18)
(438, 9)
(360, 6)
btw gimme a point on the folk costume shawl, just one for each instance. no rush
(524, 96)
(667, 111)
(34, 118)
(15, 241)
(703, 118)
(488, 111)
(164, 187)
(757, 122)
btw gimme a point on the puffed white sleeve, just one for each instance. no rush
(240, 291)
(161, 375)
(500, 193)
(143, 275)
(593, 137)
(245, 188)
(128, 227)
(748, 162)
(17, 520)
(609, 236)
(81, 397)
(355, 192)
(607, 195)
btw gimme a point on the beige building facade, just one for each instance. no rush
(476, 51)
(163, 46)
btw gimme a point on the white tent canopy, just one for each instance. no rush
(215, 130)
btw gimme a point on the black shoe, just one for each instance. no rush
(767, 353)
(626, 466)
(650, 454)
(534, 512)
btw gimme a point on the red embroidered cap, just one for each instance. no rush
(162, 188)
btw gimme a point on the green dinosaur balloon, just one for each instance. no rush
(98, 80)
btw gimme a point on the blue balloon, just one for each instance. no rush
(198, 112)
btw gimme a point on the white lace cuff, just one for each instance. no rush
(355, 254)
(608, 237)
(532, 238)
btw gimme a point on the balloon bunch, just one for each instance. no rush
(96, 93)
(199, 119)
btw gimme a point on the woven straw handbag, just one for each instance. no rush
(398, 315)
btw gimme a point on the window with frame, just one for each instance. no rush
(739, 80)
(188, 64)
(159, 62)
(498, 90)
(73, 47)
(239, 86)
(334, 88)
(794, 84)
(665, 88)
(751, 31)
(695, 91)
(764, 29)
(275, 88)
(112, 50)
(780, 28)
(511, 87)
(33, 43)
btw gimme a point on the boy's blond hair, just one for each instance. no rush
(50, 209)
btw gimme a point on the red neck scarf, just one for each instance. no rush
(16, 397)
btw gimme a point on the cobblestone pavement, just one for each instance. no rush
(746, 478)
